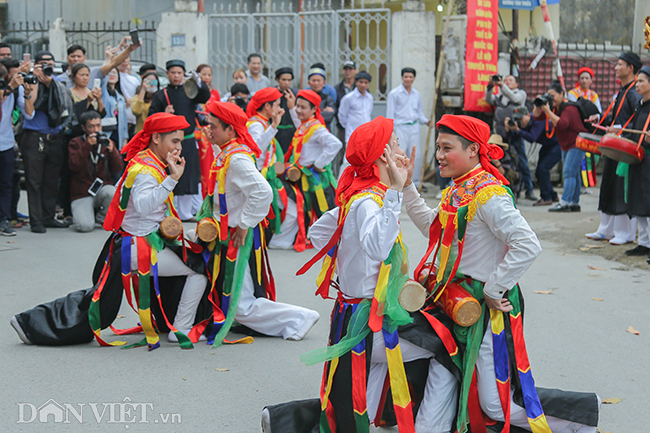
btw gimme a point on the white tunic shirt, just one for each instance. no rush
(369, 234)
(404, 107)
(354, 111)
(248, 194)
(262, 138)
(499, 244)
(146, 208)
(320, 149)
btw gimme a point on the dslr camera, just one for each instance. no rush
(496, 78)
(3, 84)
(241, 102)
(102, 139)
(29, 78)
(540, 101)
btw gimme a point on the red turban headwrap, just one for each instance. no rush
(581, 70)
(312, 97)
(261, 97)
(476, 131)
(366, 145)
(159, 122)
(234, 116)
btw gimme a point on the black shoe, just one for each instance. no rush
(530, 196)
(574, 208)
(6, 229)
(648, 260)
(561, 208)
(639, 250)
(38, 228)
(55, 223)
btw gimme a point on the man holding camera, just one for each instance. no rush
(46, 105)
(538, 129)
(92, 158)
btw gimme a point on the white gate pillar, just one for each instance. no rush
(183, 34)
(58, 42)
(413, 45)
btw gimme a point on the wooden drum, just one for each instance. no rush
(292, 173)
(455, 301)
(207, 230)
(621, 149)
(588, 142)
(279, 168)
(413, 296)
(171, 228)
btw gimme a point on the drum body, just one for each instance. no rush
(455, 301)
(292, 173)
(412, 296)
(171, 228)
(279, 168)
(621, 149)
(207, 230)
(589, 142)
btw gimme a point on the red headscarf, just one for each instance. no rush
(476, 131)
(261, 97)
(232, 115)
(581, 70)
(366, 145)
(312, 97)
(159, 122)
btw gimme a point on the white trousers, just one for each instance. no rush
(620, 227)
(274, 319)
(488, 395)
(409, 138)
(170, 265)
(644, 231)
(88, 210)
(289, 229)
(438, 407)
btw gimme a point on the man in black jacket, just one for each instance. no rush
(286, 129)
(327, 104)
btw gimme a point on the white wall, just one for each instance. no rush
(195, 28)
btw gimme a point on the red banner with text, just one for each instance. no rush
(481, 53)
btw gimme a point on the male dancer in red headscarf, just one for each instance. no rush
(362, 239)
(142, 199)
(239, 198)
(476, 230)
(312, 151)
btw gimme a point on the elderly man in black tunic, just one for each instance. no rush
(173, 99)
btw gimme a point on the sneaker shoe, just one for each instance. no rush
(542, 202)
(530, 196)
(19, 330)
(597, 236)
(6, 229)
(639, 250)
(311, 320)
(55, 223)
(618, 241)
(560, 208)
(574, 208)
(38, 228)
(16, 224)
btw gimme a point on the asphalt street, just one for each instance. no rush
(574, 341)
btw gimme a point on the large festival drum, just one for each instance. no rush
(588, 142)
(621, 149)
(207, 230)
(455, 301)
(171, 228)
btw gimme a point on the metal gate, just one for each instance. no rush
(300, 39)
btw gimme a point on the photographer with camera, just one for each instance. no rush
(47, 109)
(7, 156)
(568, 123)
(509, 97)
(536, 128)
(92, 158)
(240, 95)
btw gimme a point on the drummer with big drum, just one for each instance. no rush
(638, 187)
(615, 226)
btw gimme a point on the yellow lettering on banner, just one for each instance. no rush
(479, 87)
(484, 77)
(488, 35)
(475, 66)
(490, 46)
(480, 3)
(487, 57)
(488, 14)
(487, 3)
(480, 34)
(479, 45)
(479, 55)
(491, 68)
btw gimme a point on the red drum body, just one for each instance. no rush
(588, 142)
(621, 149)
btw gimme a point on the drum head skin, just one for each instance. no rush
(412, 296)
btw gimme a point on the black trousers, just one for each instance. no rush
(7, 160)
(43, 156)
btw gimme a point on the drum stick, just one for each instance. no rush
(631, 131)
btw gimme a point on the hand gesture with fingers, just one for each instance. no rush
(291, 98)
(396, 174)
(410, 167)
(176, 164)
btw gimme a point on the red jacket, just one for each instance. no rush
(82, 170)
(569, 126)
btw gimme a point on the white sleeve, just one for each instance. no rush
(263, 139)
(571, 97)
(329, 145)
(379, 226)
(417, 209)
(344, 110)
(390, 106)
(507, 224)
(294, 118)
(321, 232)
(147, 194)
(245, 177)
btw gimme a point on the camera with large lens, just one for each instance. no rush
(102, 139)
(48, 70)
(3, 84)
(496, 77)
(29, 78)
(512, 123)
(540, 101)
(240, 101)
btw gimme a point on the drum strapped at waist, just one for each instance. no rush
(207, 230)
(171, 228)
(621, 149)
(290, 172)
